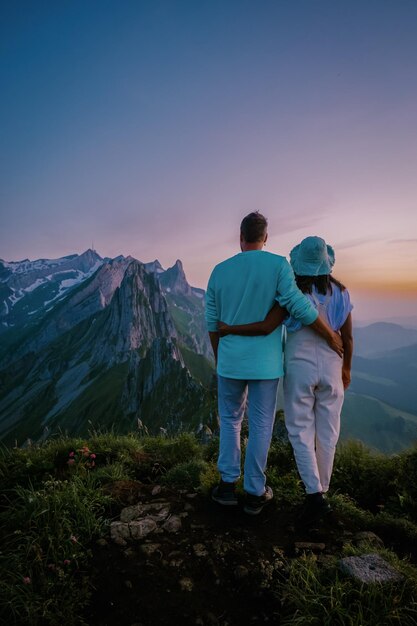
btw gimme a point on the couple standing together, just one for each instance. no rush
(248, 298)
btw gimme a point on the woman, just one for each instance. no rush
(315, 376)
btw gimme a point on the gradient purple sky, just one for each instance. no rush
(151, 128)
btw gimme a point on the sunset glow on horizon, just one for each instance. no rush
(151, 128)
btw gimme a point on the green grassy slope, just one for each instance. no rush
(377, 424)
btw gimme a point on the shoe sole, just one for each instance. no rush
(251, 511)
(224, 502)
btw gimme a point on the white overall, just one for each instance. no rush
(313, 399)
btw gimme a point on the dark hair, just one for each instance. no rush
(253, 227)
(322, 283)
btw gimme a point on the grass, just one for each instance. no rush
(44, 559)
(57, 501)
(318, 595)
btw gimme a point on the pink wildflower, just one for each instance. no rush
(67, 562)
(92, 456)
(51, 566)
(71, 454)
(92, 463)
(71, 461)
(26, 580)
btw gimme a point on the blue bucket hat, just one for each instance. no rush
(312, 257)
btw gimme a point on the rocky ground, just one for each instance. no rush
(177, 557)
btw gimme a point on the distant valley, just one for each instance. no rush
(381, 404)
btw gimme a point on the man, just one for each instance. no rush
(241, 290)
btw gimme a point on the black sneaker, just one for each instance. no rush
(225, 494)
(255, 504)
(315, 508)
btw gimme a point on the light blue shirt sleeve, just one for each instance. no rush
(211, 314)
(291, 298)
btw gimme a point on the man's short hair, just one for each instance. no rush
(253, 227)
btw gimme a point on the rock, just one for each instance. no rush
(186, 584)
(156, 490)
(367, 538)
(369, 568)
(188, 507)
(191, 495)
(149, 548)
(200, 550)
(309, 545)
(141, 528)
(158, 510)
(173, 524)
(128, 584)
(241, 572)
(119, 541)
(176, 559)
(131, 513)
(133, 530)
(119, 530)
(184, 514)
(161, 516)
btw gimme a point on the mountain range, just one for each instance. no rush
(89, 342)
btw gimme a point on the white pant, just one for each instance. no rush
(313, 399)
(233, 395)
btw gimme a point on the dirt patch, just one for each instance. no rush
(218, 568)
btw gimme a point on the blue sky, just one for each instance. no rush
(151, 128)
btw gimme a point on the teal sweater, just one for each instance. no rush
(241, 290)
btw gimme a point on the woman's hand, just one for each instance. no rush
(346, 377)
(223, 329)
(335, 343)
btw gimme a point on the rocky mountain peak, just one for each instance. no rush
(154, 267)
(173, 280)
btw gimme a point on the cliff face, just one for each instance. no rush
(186, 305)
(108, 353)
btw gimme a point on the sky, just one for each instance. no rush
(151, 128)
